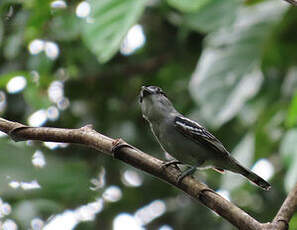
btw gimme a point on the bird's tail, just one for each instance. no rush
(252, 176)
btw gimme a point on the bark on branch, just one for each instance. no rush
(89, 137)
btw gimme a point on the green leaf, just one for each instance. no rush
(188, 5)
(292, 113)
(228, 72)
(13, 45)
(112, 20)
(36, 97)
(68, 23)
(212, 16)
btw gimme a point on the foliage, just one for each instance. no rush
(229, 64)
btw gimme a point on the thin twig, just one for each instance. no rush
(288, 208)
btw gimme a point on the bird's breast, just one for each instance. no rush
(177, 145)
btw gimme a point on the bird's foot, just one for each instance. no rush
(185, 173)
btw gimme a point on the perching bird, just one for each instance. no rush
(186, 140)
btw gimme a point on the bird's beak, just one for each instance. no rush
(145, 91)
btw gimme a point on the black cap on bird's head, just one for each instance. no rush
(149, 90)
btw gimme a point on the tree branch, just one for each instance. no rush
(287, 209)
(132, 156)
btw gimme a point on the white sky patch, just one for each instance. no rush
(73, 217)
(51, 50)
(59, 4)
(83, 9)
(263, 168)
(112, 194)
(38, 118)
(36, 46)
(150, 212)
(126, 221)
(38, 159)
(16, 84)
(131, 178)
(134, 40)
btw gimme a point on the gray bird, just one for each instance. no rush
(186, 140)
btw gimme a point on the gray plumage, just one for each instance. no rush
(186, 140)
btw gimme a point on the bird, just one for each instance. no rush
(186, 140)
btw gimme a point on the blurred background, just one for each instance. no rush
(229, 64)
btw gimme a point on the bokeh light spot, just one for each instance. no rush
(16, 84)
(38, 118)
(36, 46)
(224, 193)
(83, 9)
(52, 113)
(263, 168)
(37, 224)
(58, 4)
(126, 221)
(150, 212)
(51, 50)
(134, 40)
(9, 225)
(132, 178)
(112, 194)
(38, 159)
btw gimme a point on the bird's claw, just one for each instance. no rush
(185, 173)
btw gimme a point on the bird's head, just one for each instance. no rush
(154, 103)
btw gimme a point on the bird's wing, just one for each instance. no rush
(198, 134)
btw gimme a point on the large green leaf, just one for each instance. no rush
(111, 21)
(228, 72)
(188, 5)
(292, 113)
(212, 16)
